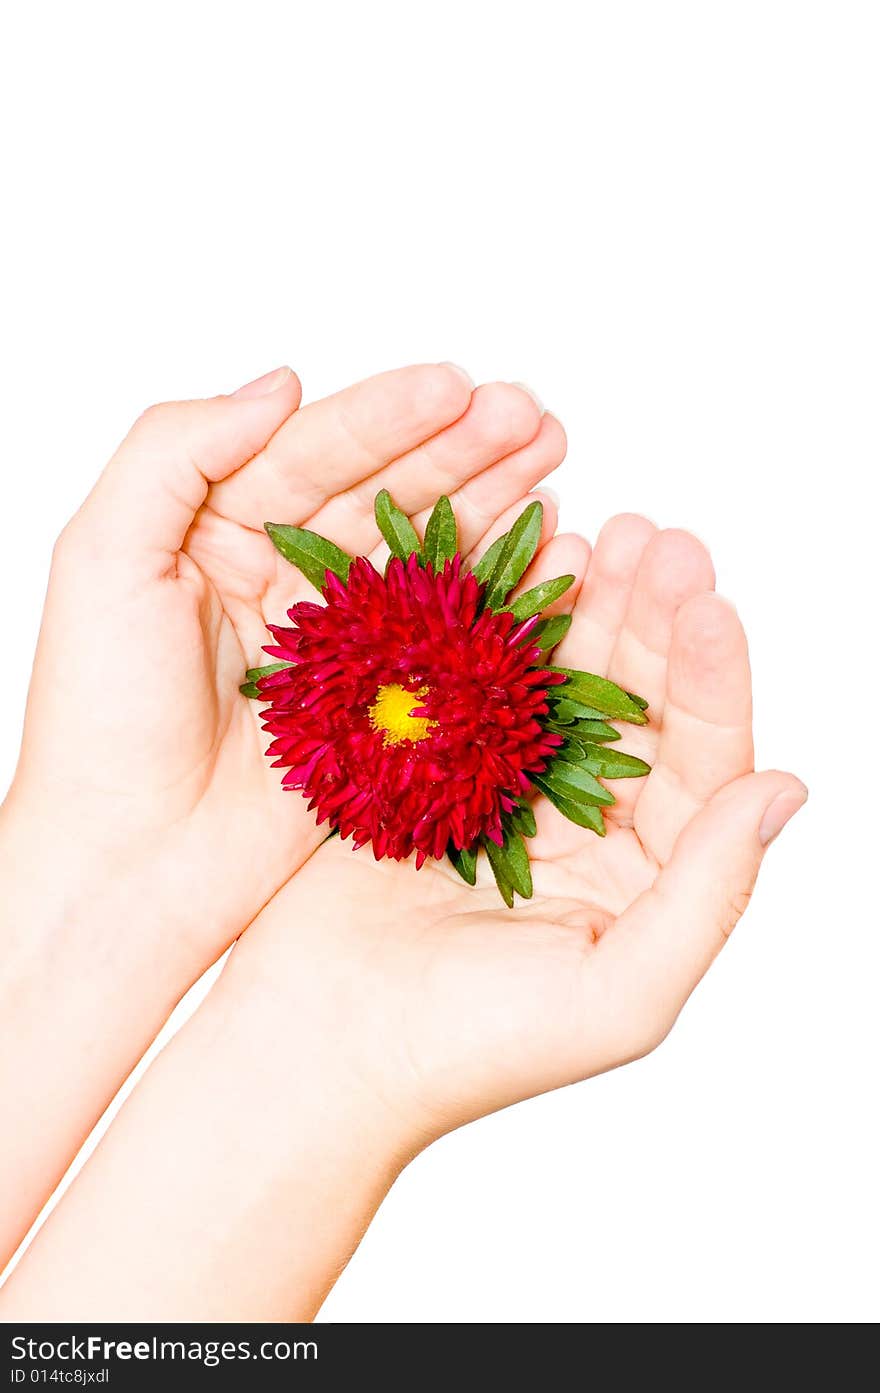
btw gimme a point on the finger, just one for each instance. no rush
(706, 736)
(144, 502)
(604, 597)
(500, 419)
(334, 444)
(491, 492)
(661, 947)
(674, 566)
(639, 583)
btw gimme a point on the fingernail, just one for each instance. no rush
(262, 386)
(551, 494)
(781, 811)
(461, 372)
(530, 392)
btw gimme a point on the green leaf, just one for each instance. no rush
(592, 732)
(550, 631)
(504, 886)
(639, 701)
(519, 547)
(510, 866)
(603, 696)
(597, 732)
(441, 534)
(488, 561)
(254, 674)
(574, 781)
(564, 710)
(523, 819)
(396, 527)
(613, 764)
(311, 554)
(584, 814)
(249, 686)
(539, 597)
(571, 749)
(464, 861)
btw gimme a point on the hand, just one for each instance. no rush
(453, 1005)
(142, 775)
(145, 828)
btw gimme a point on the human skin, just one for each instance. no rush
(144, 829)
(370, 1009)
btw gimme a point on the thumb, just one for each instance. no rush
(143, 505)
(675, 930)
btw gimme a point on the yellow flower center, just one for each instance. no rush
(390, 713)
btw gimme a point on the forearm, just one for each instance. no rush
(248, 1207)
(79, 1003)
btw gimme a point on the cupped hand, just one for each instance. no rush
(142, 776)
(447, 1005)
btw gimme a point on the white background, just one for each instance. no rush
(664, 216)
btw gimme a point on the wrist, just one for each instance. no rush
(281, 1157)
(69, 914)
(80, 1001)
(300, 1048)
(324, 1023)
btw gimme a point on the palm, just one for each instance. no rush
(478, 1005)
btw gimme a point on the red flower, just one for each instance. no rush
(410, 717)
